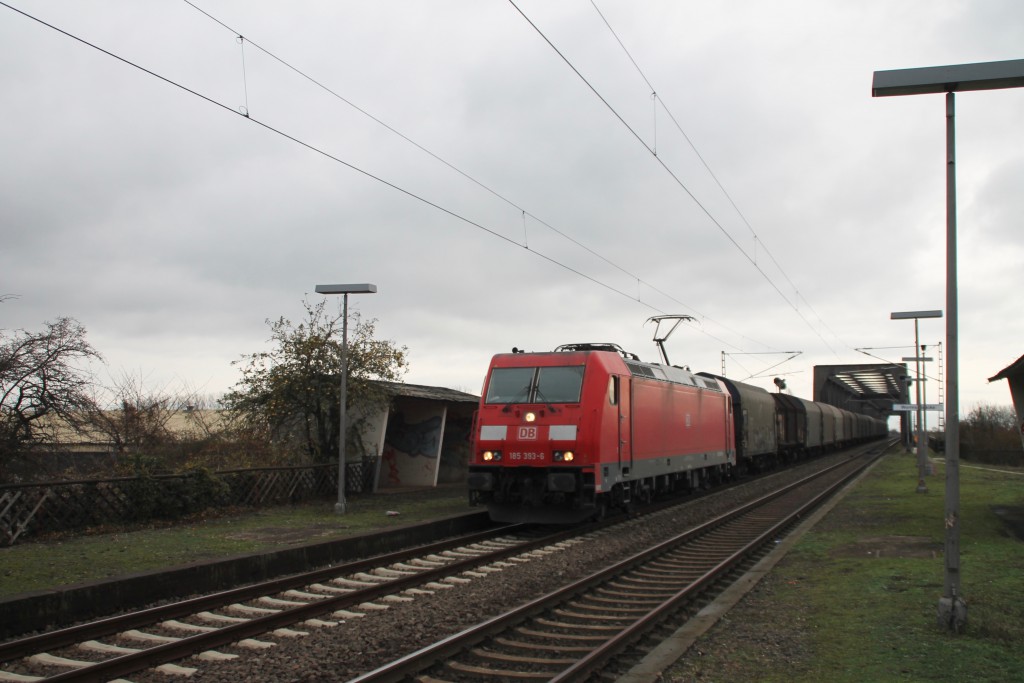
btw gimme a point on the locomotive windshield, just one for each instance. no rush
(553, 384)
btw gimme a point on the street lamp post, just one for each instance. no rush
(952, 611)
(345, 290)
(922, 460)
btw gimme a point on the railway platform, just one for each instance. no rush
(73, 577)
(852, 595)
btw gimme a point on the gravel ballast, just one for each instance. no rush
(363, 644)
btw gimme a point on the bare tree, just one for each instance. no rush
(989, 434)
(135, 422)
(40, 378)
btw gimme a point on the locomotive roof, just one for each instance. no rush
(598, 346)
(638, 368)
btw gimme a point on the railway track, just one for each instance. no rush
(599, 624)
(176, 638)
(255, 617)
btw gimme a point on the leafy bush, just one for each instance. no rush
(174, 497)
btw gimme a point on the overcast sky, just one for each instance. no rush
(501, 193)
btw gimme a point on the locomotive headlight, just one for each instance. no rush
(563, 456)
(489, 456)
(568, 456)
(530, 416)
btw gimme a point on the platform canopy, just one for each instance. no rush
(871, 389)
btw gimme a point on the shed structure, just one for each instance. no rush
(423, 438)
(1014, 374)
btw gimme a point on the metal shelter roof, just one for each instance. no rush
(869, 388)
(427, 392)
(1013, 369)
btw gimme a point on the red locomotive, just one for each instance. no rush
(562, 436)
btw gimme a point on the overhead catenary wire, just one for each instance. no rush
(672, 174)
(425, 150)
(736, 208)
(245, 76)
(759, 373)
(865, 350)
(454, 214)
(331, 157)
(313, 148)
(707, 167)
(523, 212)
(725, 193)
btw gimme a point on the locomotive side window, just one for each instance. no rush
(559, 384)
(510, 385)
(613, 390)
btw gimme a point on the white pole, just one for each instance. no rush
(339, 507)
(952, 608)
(921, 486)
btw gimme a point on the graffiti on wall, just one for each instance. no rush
(412, 445)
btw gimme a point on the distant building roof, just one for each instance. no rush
(1015, 368)
(433, 393)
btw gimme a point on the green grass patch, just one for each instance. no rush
(80, 558)
(856, 600)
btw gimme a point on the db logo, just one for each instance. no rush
(527, 433)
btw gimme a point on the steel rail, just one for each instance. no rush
(446, 648)
(187, 646)
(23, 647)
(598, 658)
(103, 627)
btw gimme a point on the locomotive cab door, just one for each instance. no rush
(625, 446)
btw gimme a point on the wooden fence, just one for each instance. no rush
(31, 509)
